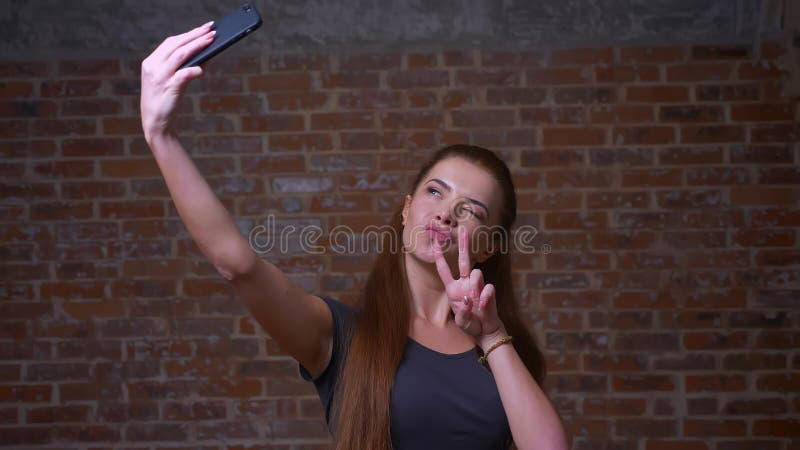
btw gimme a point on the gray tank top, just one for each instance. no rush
(438, 401)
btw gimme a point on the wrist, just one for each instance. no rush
(158, 138)
(488, 339)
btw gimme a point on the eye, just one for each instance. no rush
(474, 214)
(434, 191)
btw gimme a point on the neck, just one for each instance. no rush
(428, 299)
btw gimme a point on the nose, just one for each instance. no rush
(445, 218)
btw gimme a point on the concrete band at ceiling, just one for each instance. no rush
(37, 29)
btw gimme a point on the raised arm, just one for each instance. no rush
(299, 322)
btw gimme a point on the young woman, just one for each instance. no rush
(402, 370)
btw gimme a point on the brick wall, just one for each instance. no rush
(663, 181)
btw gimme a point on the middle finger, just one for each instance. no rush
(175, 42)
(464, 265)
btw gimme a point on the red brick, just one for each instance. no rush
(691, 155)
(577, 261)
(422, 99)
(88, 68)
(720, 52)
(642, 383)
(25, 435)
(646, 427)
(557, 76)
(581, 56)
(776, 133)
(16, 89)
(458, 58)
(761, 70)
(777, 340)
(716, 428)
(280, 82)
(789, 427)
(487, 77)
(555, 137)
(266, 123)
(483, 118)
(92, 147)
(712, 134)
(300, 142)
(715, 383)
(500, 96)
(779, 175)
(512, 59)
(764, 112)
(690, 113)
(619, 114)
(781, 257)
(93, 107)
(292, 101)
(573, 220)
(698, 72)
(657, 94)
(717, 176)
(643, 135)
(411, 120)
(337, 121)
(413, 79)
(232, 104)
(12, 129)
(33, 108)
(64, 169)
(640, 55)
(350, 80)
(584, 95)
(567, 115)
(119, 125)
(708, 341)
(762, 196)
(560, 179)
(12, 69)
(727, 92)
(779, 382)
(68, 127)
(371, 141)
(70, 88)
(298, 62)
(626, 74)
(421, 60)
(675, 445)
(369, 100)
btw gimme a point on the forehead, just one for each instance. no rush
(467, 179)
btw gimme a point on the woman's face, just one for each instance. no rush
(455, 193)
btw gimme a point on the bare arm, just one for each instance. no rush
(301, 323)
(534, 422)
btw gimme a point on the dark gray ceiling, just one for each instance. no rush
(46, 28)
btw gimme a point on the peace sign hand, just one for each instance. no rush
(472, 302)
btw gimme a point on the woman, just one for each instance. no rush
(402, 371)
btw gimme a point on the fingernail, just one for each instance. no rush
(208, 24)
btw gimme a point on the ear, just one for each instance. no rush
(406, 205)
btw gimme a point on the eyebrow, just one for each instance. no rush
(449, 189)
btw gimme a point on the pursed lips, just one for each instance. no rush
(440, 234)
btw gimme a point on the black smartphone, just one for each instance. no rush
(230, 29)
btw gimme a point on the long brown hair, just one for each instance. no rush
(379, 336)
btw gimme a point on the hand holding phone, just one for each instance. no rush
(229, 30)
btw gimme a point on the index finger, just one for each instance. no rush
(172, 43)
(464, 265)
(441, 264)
